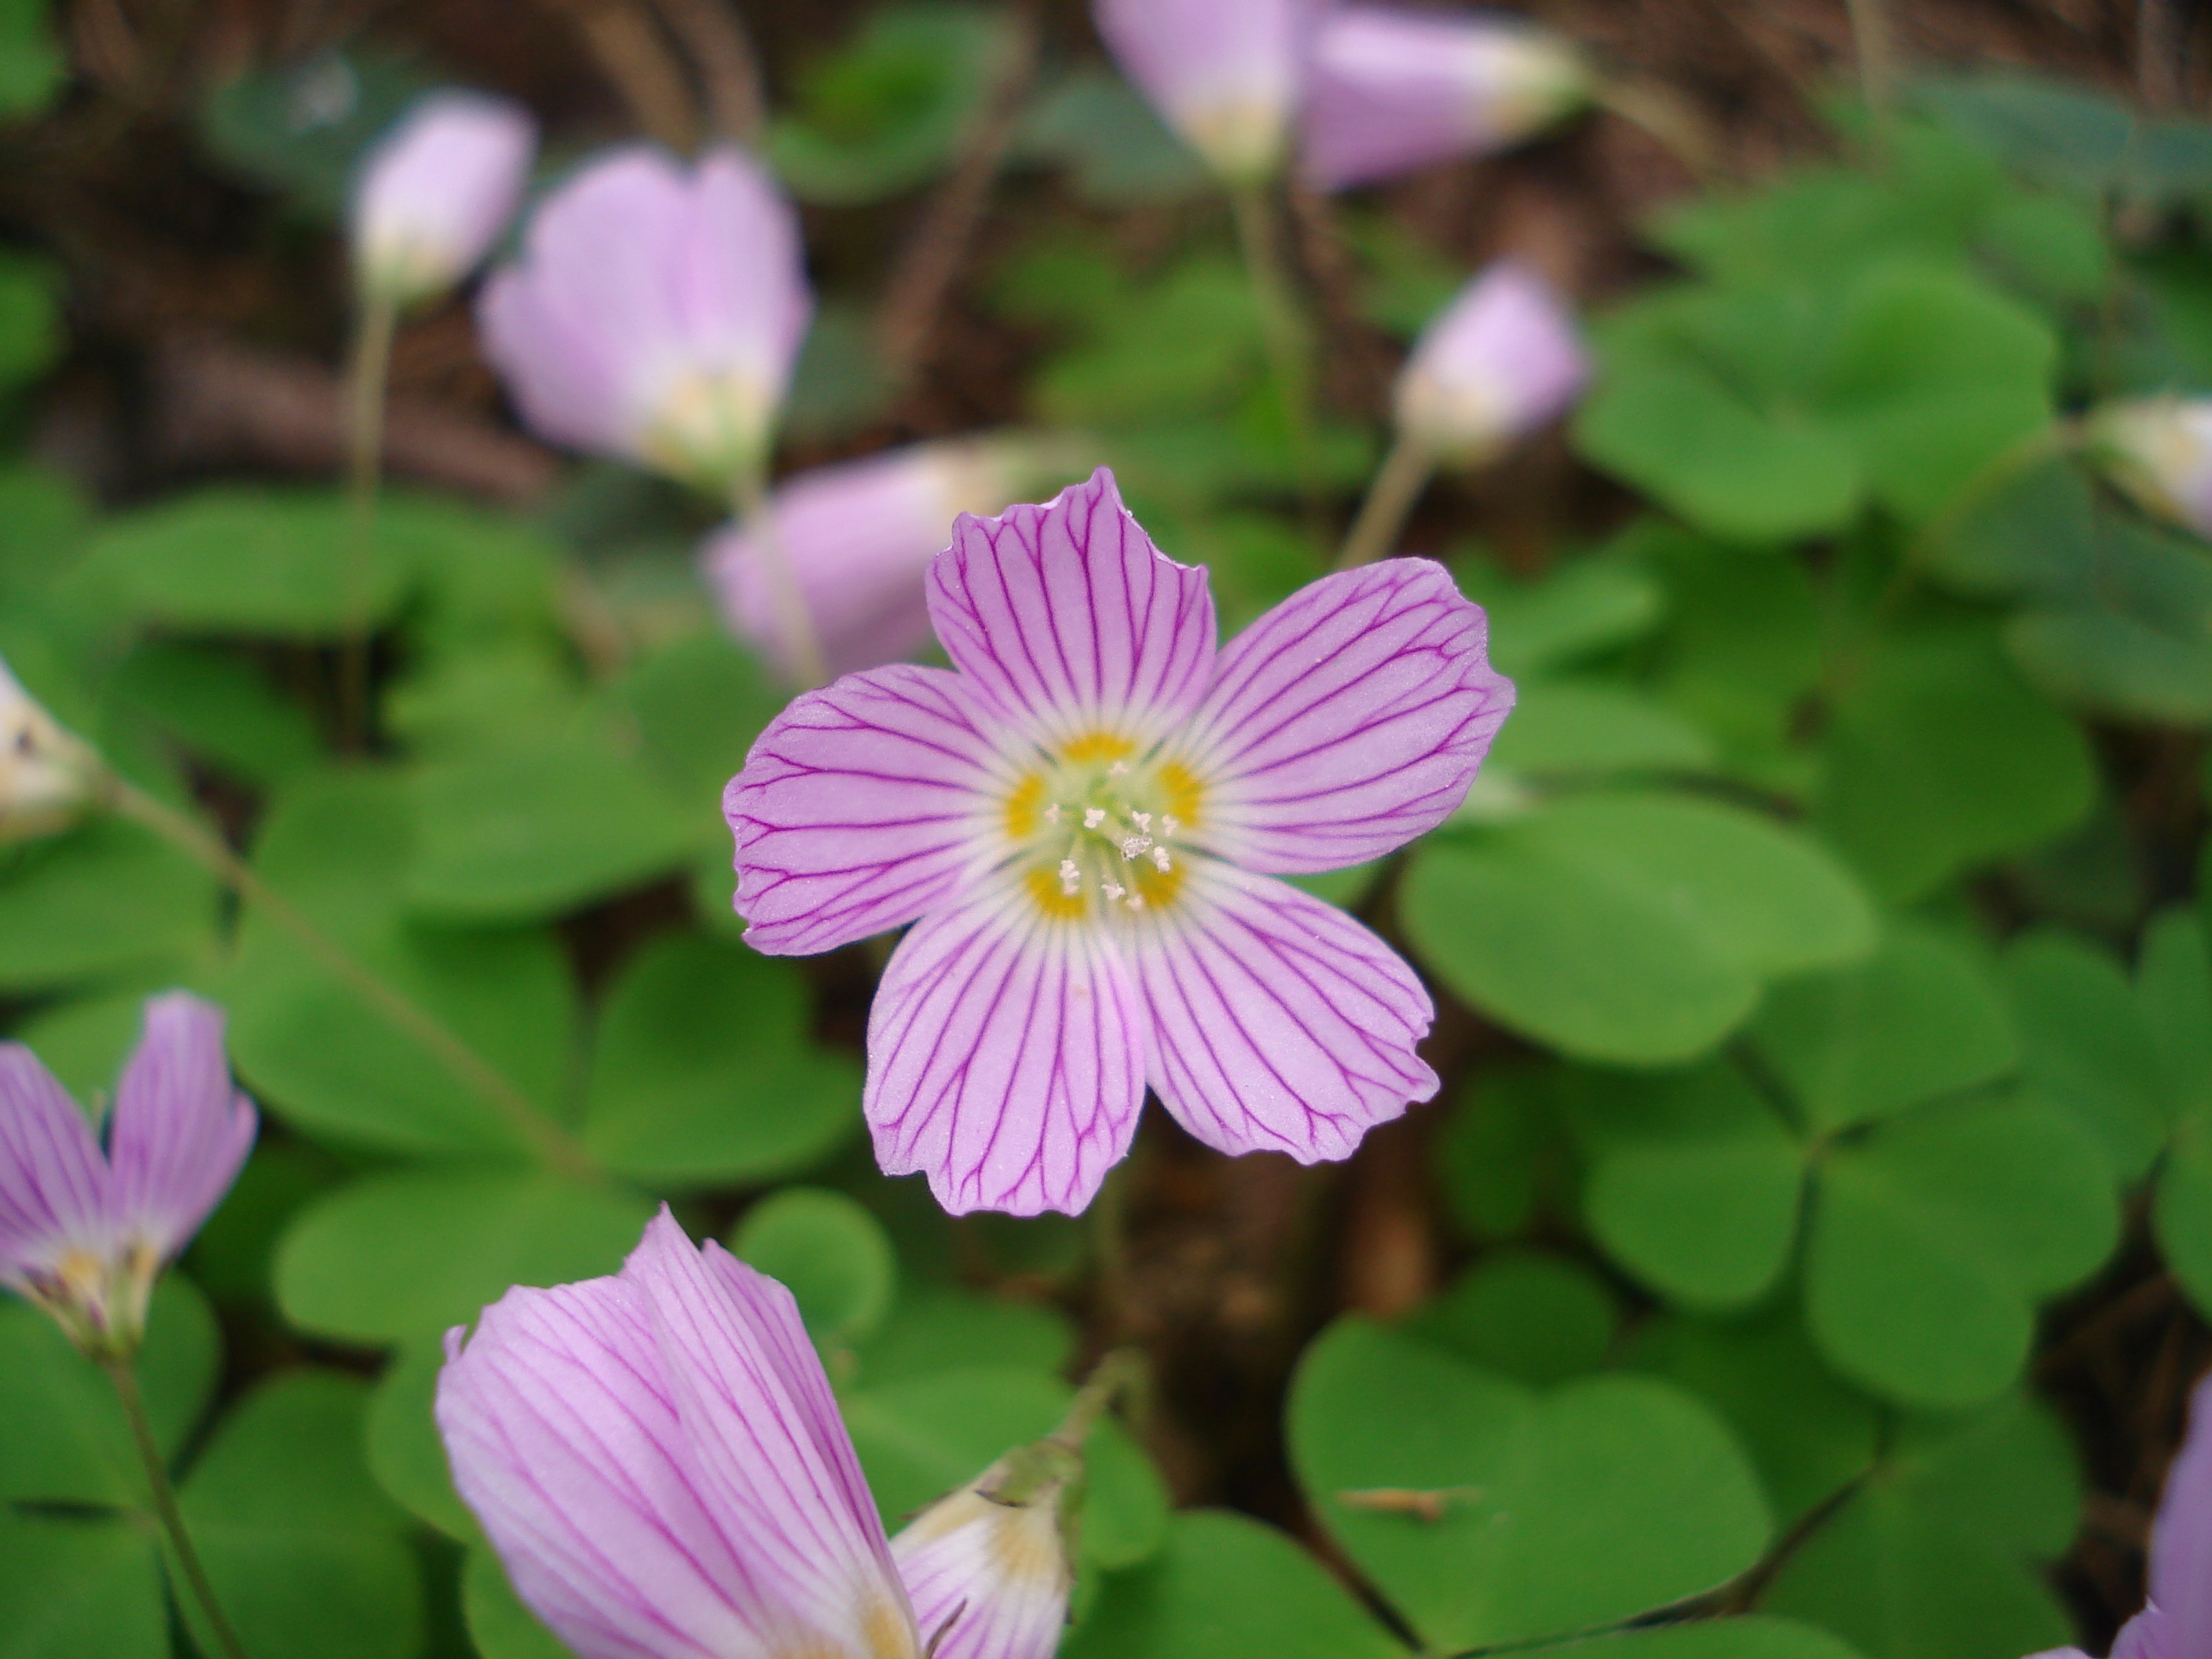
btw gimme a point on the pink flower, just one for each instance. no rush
(2176, 1621)
(1502, 360)
(656, 314)
(1085, 815)
(2160, 451)
(1390, 90)
(83, 1233)
(859, 537)
(1224, 73)
(435, 190)
(658, 1461)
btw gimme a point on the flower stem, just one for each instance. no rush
(1405, 474)
(366, 375)
(1118, 1373)
(545, 1137)
(1282, 328)
(165, 1505)
(809, 666)
(1871, 39)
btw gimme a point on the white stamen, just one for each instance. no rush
(1136, 901)
(1168, 825)
(1093, 816)
(1052, 813)
(1118, 769)
(1142, 820)
(1160, 859)
(1071, 878)
(1132, 845)
(1112, 890)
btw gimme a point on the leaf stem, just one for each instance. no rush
(809, 666)
(544, 1136)
(368, 373)
(1404, 473)
(165, 1503)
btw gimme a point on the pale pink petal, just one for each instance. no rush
(53, 1182)
(1070, 621)
(1348, 720)
(989, 1579)
(1006, 1057)
(1224, 73)
(768, 1450)
(740, 291)
(181, 1130)
(564, 1438)
(2181, 1539)
(859, 808)
(434, 193)
(1278, 1023)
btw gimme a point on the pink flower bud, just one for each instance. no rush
(858, 537)
(1391, 90)
(435, 192)
(45, 775)
(1502, 359)
(1224, 73)
(2160, 451)
(655, 313)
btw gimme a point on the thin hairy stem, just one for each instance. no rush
(544, 1138)
(165, 1505)
(793, 620)
(1283, 333)
(1877, 67)
(1405, 474)
(368, 375)
(1118, 1373)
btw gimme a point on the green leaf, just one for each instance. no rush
(1590, 726)
(697, 703)
(935, 1329)
(1929, 1558)
(831, 1254)
(544, 828)
(1580, 609)
(32, 67)
(305, 1555)
(106, 897)
(888, 110)
(1632, 927)
(2181, 1215)
(1506, 1155)
(1932, 1239)
(704, 1073)
(926, 1435)
(1535, 1318)
(499, 1624)
(2085, 1046)
(1587, 1506)
(1918, 1019)
(1226, 1587)
(1093, 122)
(81, 1451)
(404, 1255)
(403, 1450)
(1931, 376)
(301, 129)
(232, 560)
(32, 337)
(71, 1587)
(1810, 1434)
(320, 1052)
(2173, 987)
(1694, 1184)
(1941, 759)
(1752, 1637)
(219, 707)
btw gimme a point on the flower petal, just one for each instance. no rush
(563, 1437)
(769, 1450)
(1279, 1022)
(1069, 620)
(989, 1577)
(1348, 720)
(859, 808)
(2181, 1540)
(53, 1182)
(1006, 1058)
(180, 1130)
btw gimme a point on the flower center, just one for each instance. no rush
(1102, 826)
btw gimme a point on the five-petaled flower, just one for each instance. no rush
(1086, 817)
(83, 1233)
(659, 1460)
